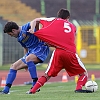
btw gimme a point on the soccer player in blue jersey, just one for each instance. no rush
(35, 50)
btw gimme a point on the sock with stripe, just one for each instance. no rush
(81, 82)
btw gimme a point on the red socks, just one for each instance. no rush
(39, 84)
(81, 82)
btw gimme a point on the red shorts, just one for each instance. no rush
(62, 59)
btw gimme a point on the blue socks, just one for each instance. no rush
(12, 75)
(10, 78)
(33, 72)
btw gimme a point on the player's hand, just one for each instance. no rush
(30, 31)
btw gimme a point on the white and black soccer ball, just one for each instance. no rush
(91, 85)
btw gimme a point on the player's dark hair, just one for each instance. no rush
(63, 13)
(9, 26)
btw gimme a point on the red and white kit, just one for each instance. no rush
(61, 34)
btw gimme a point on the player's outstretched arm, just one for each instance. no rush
(37, 21)
(33, 25)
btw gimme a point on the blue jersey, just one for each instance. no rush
(34, 45)
(27, 39)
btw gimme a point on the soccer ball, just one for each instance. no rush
(91, 85)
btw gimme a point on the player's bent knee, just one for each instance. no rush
(13, 66)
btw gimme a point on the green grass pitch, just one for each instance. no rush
(52, 91)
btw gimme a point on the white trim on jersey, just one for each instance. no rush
(50, 62)
(48, 19)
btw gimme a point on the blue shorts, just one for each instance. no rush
(41, 51)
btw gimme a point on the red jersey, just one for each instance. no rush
(59, 33)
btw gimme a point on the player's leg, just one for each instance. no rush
(36, 55)
(80, 69)
(31, 61)
(80, 83)
(12, 75)
(74, 66)
(82, 77)
(41, 81)
(53, 69)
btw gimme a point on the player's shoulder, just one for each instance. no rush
(26, 26)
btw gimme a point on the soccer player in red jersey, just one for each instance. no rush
(60, 33)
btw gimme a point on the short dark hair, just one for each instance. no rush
(63, 13)
(9, 26)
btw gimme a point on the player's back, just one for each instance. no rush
(60, 33)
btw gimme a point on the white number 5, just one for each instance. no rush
(66, 25)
